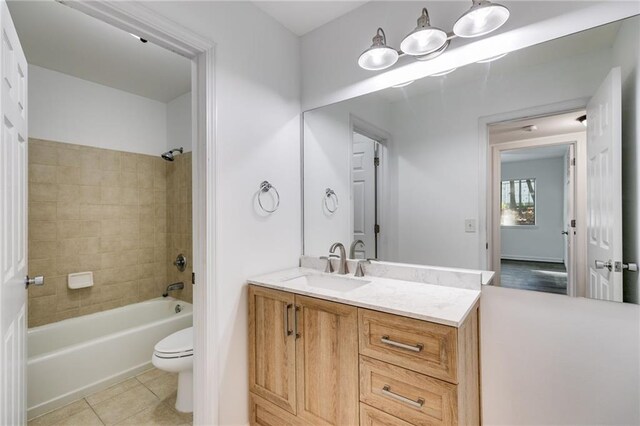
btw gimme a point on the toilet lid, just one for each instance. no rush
(178, 342)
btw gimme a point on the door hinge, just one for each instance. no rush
(376, 161)
(573, 161)
(376, 228)
(487, 246)
(573, 223)
(193, 278)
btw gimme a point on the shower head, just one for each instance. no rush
(169, 154)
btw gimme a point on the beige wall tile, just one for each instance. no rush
(43, 192)
(41, 173)
(107, 212)
(68, 175)
(40, 230)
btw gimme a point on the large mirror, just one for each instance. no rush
(518, 165)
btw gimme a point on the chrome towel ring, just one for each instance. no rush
(330, 194)
(265, 187)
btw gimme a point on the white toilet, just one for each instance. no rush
(174, 354)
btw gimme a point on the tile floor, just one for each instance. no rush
(147, 399)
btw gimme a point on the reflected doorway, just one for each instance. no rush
(535, 204)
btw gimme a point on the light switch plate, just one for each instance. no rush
(470, 225)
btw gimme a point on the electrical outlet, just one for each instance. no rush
(470, 225)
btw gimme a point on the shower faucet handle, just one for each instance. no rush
(181, 262)
(37, 281)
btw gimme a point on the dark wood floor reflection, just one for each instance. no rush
(536, 276)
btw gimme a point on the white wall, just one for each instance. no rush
(68, 109)
(258, 138)
(179, 122)
(327, 149)
(543, 242)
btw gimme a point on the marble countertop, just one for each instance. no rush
(435, 303)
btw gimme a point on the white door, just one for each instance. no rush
(13, 223)
(604, 196)
(569, 228)
(364, 195)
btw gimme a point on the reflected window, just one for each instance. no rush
(518, 202)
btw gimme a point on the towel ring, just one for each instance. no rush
(330, 193)
(266, 187)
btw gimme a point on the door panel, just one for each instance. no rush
(604, 194)
(364, 195)
(272, 366)
(13, 223)
(327, 362)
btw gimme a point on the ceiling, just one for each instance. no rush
(560, 124)
(528, 154)
(62, 39)
(301, 17)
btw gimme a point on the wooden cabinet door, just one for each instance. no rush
(327, 362)
(272, 354)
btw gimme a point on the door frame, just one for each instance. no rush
(575, 285)
(363, 127)
(137, 19)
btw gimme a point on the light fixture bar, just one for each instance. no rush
(426, 42)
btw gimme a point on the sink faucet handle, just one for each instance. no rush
(329, 268)
(359, 269)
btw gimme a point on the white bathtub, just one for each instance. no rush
(70, 359)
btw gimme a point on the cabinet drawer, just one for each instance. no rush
(420, 346)
(410, 396)
(264, 413)
(369, 416)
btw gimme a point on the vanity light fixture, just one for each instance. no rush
(583, 120)
(424, 39)
(482, 18)
(426, 42)
(493, 58)
(379, 56)
(440, 74)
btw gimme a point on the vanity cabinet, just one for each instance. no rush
(303, 358)
(315, 362)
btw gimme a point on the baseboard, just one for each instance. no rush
(532, 259)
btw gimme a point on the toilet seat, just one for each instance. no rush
(176, 345)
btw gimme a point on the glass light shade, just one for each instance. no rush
(405, 84)
(482, 18)
(423, 41)
(440, 74)
(378, 58)
(493, 58)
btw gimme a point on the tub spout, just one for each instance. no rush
(171, 287)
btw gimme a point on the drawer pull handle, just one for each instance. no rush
(386, 390)
(417, 348)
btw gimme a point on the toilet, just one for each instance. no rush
(174, 354)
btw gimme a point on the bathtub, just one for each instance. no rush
(71, 359)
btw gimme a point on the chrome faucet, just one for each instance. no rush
(342, 269)
(171, 287)
(352, 249)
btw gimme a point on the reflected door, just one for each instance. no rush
(13, 223)
(604, 198)
(364, 195)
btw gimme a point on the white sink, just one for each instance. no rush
(328, 282)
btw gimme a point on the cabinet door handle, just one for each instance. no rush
(414, 348)
(287, 330)
(295, 322)
(386, 390)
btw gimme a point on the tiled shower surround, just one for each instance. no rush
(104, 211)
